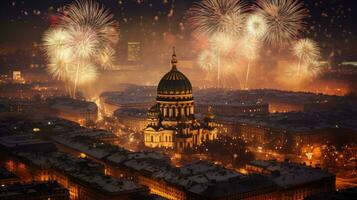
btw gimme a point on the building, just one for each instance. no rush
(231, 102)
(134, 52)
(91, 168)
(72, 109)
(171, 121)
(346, 194)
(34, 191)
(16, 76)
(7, 178)
(133, 96)
(84, 178)
(200, 180)
(132, 118)
(236, 110)
(294, 181)
(25, 142)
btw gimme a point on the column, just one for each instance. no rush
(176, 111)
(165, 111)
(170, 111)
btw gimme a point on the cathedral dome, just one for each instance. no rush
(174, 82)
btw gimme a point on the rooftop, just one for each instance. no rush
(27, 142)
(287, 174)
(86, 171)
(69, 103)
(32, 190)
(301, 121)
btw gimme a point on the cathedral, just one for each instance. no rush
(171, 121)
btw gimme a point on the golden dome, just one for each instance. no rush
(174, 82)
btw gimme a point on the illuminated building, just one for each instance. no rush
(132, 118)
(133, 97)
(134, 51)
(33, 159)
(34, 191)
(235, 110)
(73, 109)
(171, 121)
(83, 178)
(284, 107)
(197, 180)
(294, 181)
(346, 194)
(16, 76)
(231, 102)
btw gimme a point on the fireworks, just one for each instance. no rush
(300, 73)
(221, 21)
(55, 43)
(256, 26)
(107, 57)
(86, 72)
(285, 19)
(207, 60)
(249, 48)
(55, 40)
(221, 42)
(210, 17)
(83, 41)
(307, 51)
(87, 13)
(85, 37)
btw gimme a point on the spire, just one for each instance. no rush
(209, 114)
(174, 60)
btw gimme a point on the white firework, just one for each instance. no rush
(256, 26)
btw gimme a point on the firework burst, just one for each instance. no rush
(207, 60)
(221, 42)
(256, 26)
(55, 43)
(307, 51)
(220, 21)
(285, 19)
(210, 17)
(107, 57)
(83, 41)
(59, 65)
(85, 36)
(54, 40)
(87, 13)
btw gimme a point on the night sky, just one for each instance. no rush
(332, 22)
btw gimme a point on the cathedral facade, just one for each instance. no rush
(171, 121)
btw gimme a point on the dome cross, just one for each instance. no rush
(174, 60)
